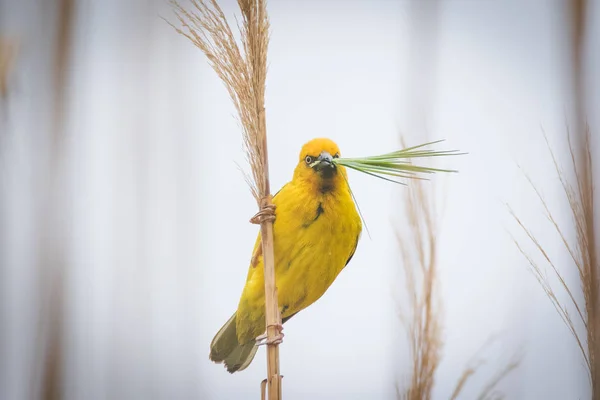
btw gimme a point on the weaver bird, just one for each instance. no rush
(315, 234)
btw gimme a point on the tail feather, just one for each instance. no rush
(226, 348)
(241, 357)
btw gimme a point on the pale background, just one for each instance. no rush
(155, 209)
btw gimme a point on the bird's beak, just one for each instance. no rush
(324, 161)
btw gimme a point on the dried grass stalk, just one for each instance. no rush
(52, 252)
(489, 390)
(244, 72)
(418, 252)
(583, 254)
(424, 323)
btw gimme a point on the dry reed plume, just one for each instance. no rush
(424, 323)
(244, 73)
(582, 253)
(424, 329)
(489, 390)
(580, 196)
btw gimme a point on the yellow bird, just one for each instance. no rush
(316, 231)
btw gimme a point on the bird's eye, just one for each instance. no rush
(336, 155)
(308, 159)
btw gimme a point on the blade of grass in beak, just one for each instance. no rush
(400, 165)
(379, 176)
(393, 172)
(385, 167)
(397, 164)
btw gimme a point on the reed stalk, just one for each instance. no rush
(424, 325)
(579, 192)
(52, 259)
(243, 71)
(425, 319)
(582, 253)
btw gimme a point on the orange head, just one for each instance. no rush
(315, 167)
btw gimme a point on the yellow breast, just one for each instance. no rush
(315, 235)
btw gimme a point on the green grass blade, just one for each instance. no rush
(398, 163)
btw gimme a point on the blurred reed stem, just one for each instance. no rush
(8, 55)
(52, 258)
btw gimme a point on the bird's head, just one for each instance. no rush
(316, 167)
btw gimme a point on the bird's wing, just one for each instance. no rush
(285, 319)
(353, 250)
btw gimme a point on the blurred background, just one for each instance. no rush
(124, 240)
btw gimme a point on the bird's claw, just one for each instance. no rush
(277, 339)
(266, 213)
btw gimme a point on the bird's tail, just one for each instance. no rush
(226, 348)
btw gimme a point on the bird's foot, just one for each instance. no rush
(266, 213)
(277, 339)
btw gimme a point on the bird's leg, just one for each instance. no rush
(277, 339)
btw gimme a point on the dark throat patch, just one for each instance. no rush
(326, 187)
